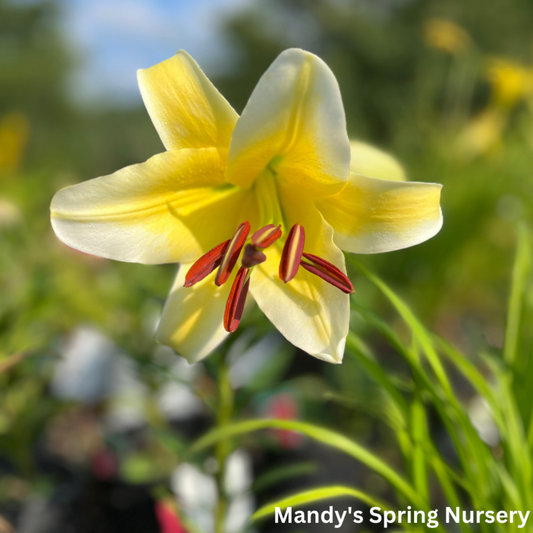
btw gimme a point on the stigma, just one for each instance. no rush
(225, 255)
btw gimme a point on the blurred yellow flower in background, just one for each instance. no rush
(14, 131)
(446, 35)
(482, 134)
(10, 213)
(510, 81)
(284, 169)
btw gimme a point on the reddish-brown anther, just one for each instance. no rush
(265, 236)
(236, 300)
(328, 272)
(232, 253)
(252, 256)
(292, 253)
(206, 264)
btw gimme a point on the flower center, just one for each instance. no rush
(266, 190)
(225, 255)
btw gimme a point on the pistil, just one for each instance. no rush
(252, 256)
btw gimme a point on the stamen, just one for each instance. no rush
(292, 253)
(265, 236)
(205, 265)
(236, 300)
(328, 272)
(232, 253)
(252, 256)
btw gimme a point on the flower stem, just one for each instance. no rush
(223, 448)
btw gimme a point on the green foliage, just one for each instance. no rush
(310, 496)
(400, 404)
(489, 476)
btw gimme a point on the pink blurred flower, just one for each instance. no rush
(168, 518)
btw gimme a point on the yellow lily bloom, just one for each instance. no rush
(284, 162)
(510, 82)
(446, 35)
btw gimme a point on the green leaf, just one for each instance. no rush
(319, 434)
(419, 435)
(274, 476)
(474, 455)
(469, 371)
(357, 349)
(520, 279)
(422, 337)
(313, 495)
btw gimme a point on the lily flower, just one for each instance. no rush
(447, 36)
(277, 186)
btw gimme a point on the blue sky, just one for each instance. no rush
(113, 38)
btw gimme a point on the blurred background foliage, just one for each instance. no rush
(446, 87)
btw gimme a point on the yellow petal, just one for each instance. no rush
(294, 122)
(192, 320)
(185, 107)
(172, 208)
(374, 163)
(372, 215)
(309, 312)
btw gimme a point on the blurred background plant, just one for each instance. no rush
(96, 420)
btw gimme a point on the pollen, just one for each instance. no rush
(292, 253)
(293, 256)
(232, 253)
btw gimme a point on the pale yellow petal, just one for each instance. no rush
(192, 320)
(172, 208)
(373, 215)
(311, 314)
(294, 123)
(185, 107)
(374, 163)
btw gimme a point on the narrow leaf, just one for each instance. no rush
(313, 495)
(319, 434)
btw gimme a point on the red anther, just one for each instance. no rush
(236, 300)
(328, 272)
(205, 265)
(252, 256)
(265, 236)
(292, 253)
(232, 253)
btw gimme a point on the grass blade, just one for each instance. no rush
(323, 435)
(313, 495)
(419, 436)
(520, 279)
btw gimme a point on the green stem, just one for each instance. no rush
(223, 448)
